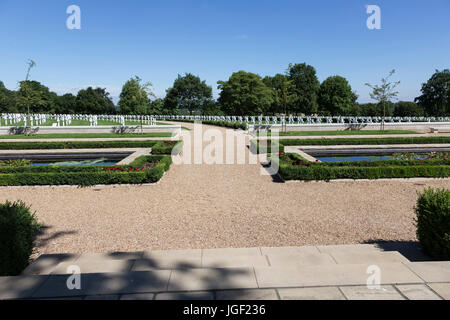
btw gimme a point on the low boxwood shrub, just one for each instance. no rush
(137, 172)
(433, 222)
(226, 124)
(17, 229)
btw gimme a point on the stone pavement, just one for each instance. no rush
(262, 273)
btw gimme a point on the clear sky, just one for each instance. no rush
(158, 39)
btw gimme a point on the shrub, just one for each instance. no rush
(17, 228)
(433, 222)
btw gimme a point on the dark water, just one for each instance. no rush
(353, 158)
(74, 163)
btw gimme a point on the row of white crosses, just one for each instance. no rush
(298, 120)
(20, 119)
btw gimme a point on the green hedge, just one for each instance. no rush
(291, 170)
(158, 146)
(134, 173)
(226, 124)
(351, 141)
(433, 222)
(17, 228)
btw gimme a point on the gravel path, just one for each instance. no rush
(206, 206)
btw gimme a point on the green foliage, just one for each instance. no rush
(66, 103)
(354, 141)
(32, 96)
(384, 92)
(433, 222)
(226, 124)
(94, 101)
(435, 98)
(135, 97)
(244, 94)
(17, 229)
(408, 109)
(136, 172)
(15, 163)
(376, 110)
(7, 100)
(283, 94)
(413, 156)
(336, 97)
(188, 92)
(293, 167)
(306, 88)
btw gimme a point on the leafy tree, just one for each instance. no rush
(135, 97)
(435, 98)
(376, 109)
(306, 87)
(336, 97)
(94, 101)
(188, 92)
(244, 94)
(7, 99)
(212, 108)
(408, 109)
(384, 92)
(34, 97)
(66, 104)
(283, 93)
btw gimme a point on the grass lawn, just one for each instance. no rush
(88, 135)
(345, 133)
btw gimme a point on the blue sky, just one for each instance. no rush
(158, 39)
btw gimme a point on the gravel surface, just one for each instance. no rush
(207, 206)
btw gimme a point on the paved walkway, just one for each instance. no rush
(260, 273)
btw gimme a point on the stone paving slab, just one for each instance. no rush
(417, 292)
(296, 259)
(349, 248)
(94, 266)
(20, 287)
(368, 257)
(172, 254)
(231, 252)
(205, 295)
(364, 293)
(331, 275)
(318, 293)
(432, 271)
(289, 250)
(170, 262)
(212, 279)
(106, 283)
(46, 263)
(442, 289)
(103, 297)
(236, 261)
(255, 294)
(137, 296)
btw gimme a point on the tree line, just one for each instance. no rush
(296, 91)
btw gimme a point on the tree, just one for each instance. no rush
(283, 93)
(32, 96)
(135, 97)
(94, 101)
(306, 87)
(376, 110)
(244, 94)
(212, 108)
(66, 104)
(7, 99)
(336, 97)
(408, 109)
(188, 92)
(435, 98)
(383, 93)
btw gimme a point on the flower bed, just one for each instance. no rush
(137, 172)
(294, 167)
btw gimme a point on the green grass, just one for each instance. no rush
(345, 133)
(88, 135)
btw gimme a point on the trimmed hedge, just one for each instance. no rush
(134, 173)
(293, 167)
(158, 146)
(351, 141)
(433, 222)
(17, 228)
(226, 124)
